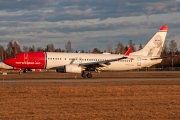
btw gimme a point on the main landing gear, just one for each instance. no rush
(86, 74)
(24, 71)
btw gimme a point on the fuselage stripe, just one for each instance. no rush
(45, 65)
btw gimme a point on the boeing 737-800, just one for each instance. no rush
(85, 63)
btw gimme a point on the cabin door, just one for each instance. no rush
(26, 58)
(138, 61)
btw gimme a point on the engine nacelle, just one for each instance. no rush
(35, 70)
(72, 68)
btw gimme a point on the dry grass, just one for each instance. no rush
(91, 100)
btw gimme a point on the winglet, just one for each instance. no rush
(129, 51)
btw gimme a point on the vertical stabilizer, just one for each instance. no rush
(154, 47)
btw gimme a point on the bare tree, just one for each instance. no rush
(40, 49)
(173, 47)
(9, 50)
(68, 46)
(133, 45)
(2, 52)
(140, 46)
(165, 49)
(58, 50)
(119, 48)
(126, 48)
(32, 49)
(16, 47)
(109, 49)
(50, 48)
(96, 50)
(25, 48)
(12, 48)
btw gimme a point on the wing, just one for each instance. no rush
(101, 63)
(106, 62)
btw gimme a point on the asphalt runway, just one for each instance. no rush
(104, 78)
(109, 82)
(89, 80)
(102, 75)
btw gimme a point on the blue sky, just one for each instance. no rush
(87, 24)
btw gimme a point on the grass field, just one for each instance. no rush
(99, 100)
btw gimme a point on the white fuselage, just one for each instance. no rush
(58, 60)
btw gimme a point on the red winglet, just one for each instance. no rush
(129, 51)
(164, 28)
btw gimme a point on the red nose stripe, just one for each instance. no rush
(29, 60)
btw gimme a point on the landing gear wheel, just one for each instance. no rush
(89, 75)
(84, 75)
(24, 71)
(20, 73)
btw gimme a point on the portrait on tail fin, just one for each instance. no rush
(156, 50)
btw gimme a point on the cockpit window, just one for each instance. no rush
(14, 57)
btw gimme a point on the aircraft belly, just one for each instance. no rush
(120, 66)
(53, 64)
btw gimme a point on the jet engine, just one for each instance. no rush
(72, 68)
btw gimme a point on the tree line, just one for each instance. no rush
(171, 51)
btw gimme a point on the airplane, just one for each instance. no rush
(26, 69)
(86, 63)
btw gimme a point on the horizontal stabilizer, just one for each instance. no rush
(159, 58)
